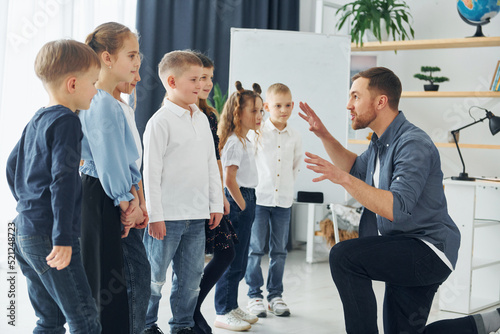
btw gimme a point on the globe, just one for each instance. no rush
(478, 12)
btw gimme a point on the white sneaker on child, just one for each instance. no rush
(278, 307)
(231, 322)
(256, 307)
(250, 318)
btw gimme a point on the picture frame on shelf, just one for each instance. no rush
(495, 81)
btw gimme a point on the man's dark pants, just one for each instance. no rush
(412, 273)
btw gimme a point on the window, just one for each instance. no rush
(24, 27)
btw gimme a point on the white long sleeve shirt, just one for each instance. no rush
(181, 176)
(278, 158)
(130, 117)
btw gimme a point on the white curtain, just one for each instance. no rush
(24, 27)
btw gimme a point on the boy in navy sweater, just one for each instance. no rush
(42, 172)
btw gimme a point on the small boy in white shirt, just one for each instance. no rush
(183, 188)
(278, 157)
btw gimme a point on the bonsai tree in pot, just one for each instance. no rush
(428, 77)
(379, 16)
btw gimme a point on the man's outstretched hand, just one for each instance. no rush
(315, 124)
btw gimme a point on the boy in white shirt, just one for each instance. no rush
(183, 188)
(278, 157)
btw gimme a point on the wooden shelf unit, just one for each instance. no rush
(424, 44)
(451, 94)
(482, 146)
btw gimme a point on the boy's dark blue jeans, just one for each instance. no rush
(57, 296)
(412, 273)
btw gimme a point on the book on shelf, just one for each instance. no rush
(495, 81)
(497, 84)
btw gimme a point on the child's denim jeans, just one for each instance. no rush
(58, 296)
(226, 290)
(276, 220)
(138, 276)
(184, 246)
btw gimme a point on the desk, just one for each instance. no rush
(305, 222)
(475, 283)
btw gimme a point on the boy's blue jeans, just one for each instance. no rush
(57, 296)
(138, 276)
(276, 220)
(226, 290)
(184, 245)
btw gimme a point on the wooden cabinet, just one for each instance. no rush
(475, 283)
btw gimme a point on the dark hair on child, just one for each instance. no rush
(382, 81)
(230, 119)
(202, 103)
(108, 37)
(59, 58)
(206, 61)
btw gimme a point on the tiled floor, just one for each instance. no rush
(309, 292)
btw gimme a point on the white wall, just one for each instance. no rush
(468, 70)
(307, 15)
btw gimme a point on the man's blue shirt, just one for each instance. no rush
(42, 172)
(410, 168)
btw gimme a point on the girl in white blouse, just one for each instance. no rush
(242, 113)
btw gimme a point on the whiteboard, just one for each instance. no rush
(316, 68)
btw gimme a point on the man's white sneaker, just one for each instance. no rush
(278, 307)
(231, 322)
(256, 307)
(250, 318)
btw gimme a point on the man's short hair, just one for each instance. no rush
(59, 58)
(177, 62)
(383, 81)
(278, 88)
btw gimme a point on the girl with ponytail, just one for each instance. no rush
(110, 176)
(241, 114)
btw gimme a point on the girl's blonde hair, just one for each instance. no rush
(230, 119)
(108, 37)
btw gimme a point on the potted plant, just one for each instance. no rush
(428, 77)
(379, 16)
(218, 99)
